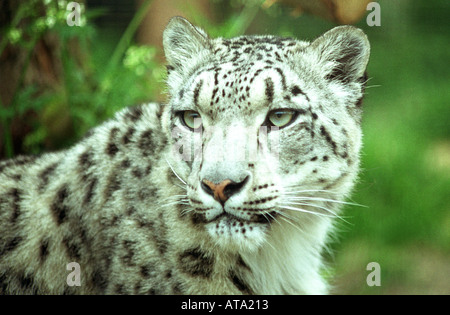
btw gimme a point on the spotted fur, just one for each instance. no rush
(128, 202)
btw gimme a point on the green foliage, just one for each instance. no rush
(98, 78)
(238, 20)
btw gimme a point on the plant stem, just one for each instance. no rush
(244, 20)
(17, 18)
(125, 40)
(7, 136)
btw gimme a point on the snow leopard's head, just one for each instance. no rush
(265, 131)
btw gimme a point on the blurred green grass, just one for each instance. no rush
(405, 123)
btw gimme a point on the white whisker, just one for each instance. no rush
(180, 186)
(307, 192)
(273, 218)
(175, 173)
(289, 219)
(325, 200)
(305, 211)
(175, 198)
(186, 211)
(319, 207)
(310, 204)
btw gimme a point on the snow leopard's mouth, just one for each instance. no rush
(229, 230)
(265, 217)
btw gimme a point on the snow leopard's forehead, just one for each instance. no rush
(247, 49)
(244, 75)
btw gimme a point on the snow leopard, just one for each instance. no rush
(233, 186)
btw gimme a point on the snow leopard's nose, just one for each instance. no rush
(223, 190)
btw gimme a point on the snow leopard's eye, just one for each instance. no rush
(281, 117)
(191, 119)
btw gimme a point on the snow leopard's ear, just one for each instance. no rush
(182, 43)
(342, 53)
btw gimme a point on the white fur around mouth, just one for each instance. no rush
(237, 218)
(230, 231)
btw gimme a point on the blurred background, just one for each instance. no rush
(57, 81)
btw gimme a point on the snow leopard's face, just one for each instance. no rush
(264, 130)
